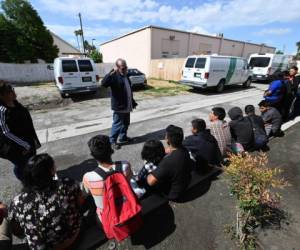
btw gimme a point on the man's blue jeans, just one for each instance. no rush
(120, 126)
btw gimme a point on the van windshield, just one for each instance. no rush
(190, 62)
(69, 66)
(85, 65)
(200, 63)
(259, 61)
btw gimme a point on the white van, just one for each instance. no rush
(205, 71)
(75, 75)
(263, 66)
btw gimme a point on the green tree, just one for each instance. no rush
(26, 36)
(279, 52)
(298, 51)
(96, 56)
(92, 52)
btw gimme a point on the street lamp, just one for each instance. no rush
(93, 41)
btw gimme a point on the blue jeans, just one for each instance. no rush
(120, 126)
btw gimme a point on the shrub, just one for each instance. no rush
(254, 185)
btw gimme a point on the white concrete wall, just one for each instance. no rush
(33, 73)
(26, 73)
(135, 49)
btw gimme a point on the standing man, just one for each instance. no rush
(122, 102)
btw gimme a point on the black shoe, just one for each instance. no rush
(126, 140)
(115, 146)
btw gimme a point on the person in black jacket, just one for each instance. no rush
(258, 126)
(122, 102)
(241, 128)
(18, 139)
(202, 145)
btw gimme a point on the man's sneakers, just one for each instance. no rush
(115, 146)
(127, 140)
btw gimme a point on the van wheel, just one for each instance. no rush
(63, 95)
(247, 84)
(220, 87)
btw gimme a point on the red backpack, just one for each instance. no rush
(121, 215)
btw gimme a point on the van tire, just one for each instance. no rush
(220, 87)
(247, 83)
(63, 95)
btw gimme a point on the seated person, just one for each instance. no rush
(276, 91)
(202, 144)
(219, 128)
(241, 129)
(258, 126)
(46, 212)
(102, 151)
(272, 119)
(152, 153)
(173, 173)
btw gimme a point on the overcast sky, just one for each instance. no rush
(275, 22)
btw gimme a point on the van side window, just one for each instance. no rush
(190, 62)
(200, 63)
(85, 65)
(69, 66)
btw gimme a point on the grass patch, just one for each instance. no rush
(157, 88)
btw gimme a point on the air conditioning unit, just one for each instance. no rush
(172, 38)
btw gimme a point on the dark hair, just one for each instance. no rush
(174, 135)
(199, 124)
(264, 103)
(100, 148)
(219, 112)
(280, 75)
(295, 68)
(38, 172)
(153, 151)
(249, 109)
(5, 88)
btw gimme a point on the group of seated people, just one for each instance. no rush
(48, 210)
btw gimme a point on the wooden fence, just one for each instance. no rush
(167, 69)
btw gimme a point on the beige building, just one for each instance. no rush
(63, 46)
(143, 45)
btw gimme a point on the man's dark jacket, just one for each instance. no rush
(295, 84)
(203, 145)
(241, 128)
(118, 91)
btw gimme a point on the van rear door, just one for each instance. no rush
(188, 70)
(87, 72)
(260, 64)
(199, 72)
(70, 74)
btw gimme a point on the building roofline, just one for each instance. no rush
(59, 38)
(182, 31)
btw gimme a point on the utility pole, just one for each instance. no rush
(82, 37)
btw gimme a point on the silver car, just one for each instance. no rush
(137, 78)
